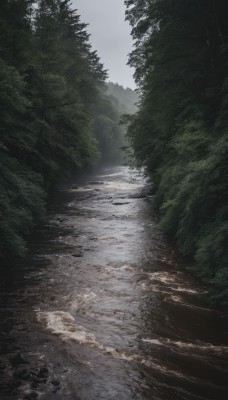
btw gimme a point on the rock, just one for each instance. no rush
(31, 396)
(77, 255)
(120, 204)
(138, 196)
(43, 372)
(60, 219)
(56, 385)
(55, 382)
(2, 366)
(96, 183)
(34, 385)
(18, 360)
(12, 385)
(37, 380)
(22, 373)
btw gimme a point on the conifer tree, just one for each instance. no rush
(180, 58)
(50, 85)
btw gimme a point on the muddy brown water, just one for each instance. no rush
(102, 308)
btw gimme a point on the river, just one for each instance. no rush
(102, 308)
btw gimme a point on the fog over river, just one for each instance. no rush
(103, 309)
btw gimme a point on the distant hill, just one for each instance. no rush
(127, 98)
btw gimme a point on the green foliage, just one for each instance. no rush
(21, 193)
(21, 203)
(54, 115)
(127, 98)
(180, 130)
(107, 129)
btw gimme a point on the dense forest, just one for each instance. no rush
(56, 115)
(110, 132)
(127, 98)
(180, 130)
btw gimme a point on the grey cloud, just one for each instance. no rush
(110, 36)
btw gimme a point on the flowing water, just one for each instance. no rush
(102, 307)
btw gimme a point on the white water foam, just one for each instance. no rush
(183, 289)
(163, 277)
(127, 268)
(154, 288)
(80, 189)
(122, 186)
(202, 346)
(81, 301)
(108, 238)
(109, 269)
(63, 324)
(110, 175)
(166, 278)
(177, 299)
(122, 268)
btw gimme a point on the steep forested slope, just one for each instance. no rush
(111, 133)
(107, 129)
(127, 98)
(52, 98)
(180, 130)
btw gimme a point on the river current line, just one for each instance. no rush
(102, 308)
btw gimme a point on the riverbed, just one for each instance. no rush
(103, 308)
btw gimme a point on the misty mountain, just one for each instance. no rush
(127, 98)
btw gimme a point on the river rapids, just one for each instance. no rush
(102, 308)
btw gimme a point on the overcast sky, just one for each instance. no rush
(110, 36)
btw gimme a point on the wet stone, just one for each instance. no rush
(10, 386)
(56, 385)
(61, 219)
(37, 380)
(35, 385)
(138, 196)
(18, 360)
(31, 396)
(21, 327)
(38, 377)
(117, 203)
(2, 366)
(22, 373)
(43, 373)
(99, 328)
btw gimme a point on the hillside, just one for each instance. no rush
(127, 98)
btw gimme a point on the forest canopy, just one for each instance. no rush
(180, 132)
(56, 116)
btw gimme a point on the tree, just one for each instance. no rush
(180, 59)
(51, 87)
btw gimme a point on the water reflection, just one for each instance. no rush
(103, 309)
